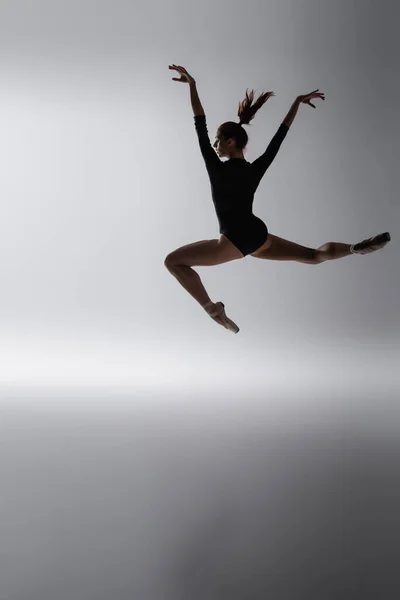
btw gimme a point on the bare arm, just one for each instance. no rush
(288, 120)
(195, 100)
(185, 77)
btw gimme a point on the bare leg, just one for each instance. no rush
(204, 253)
(332, 250)
(190, 280)
(276, 248)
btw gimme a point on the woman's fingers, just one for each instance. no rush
(185, 76)
(179, 69)
(306, 99)
(309, 97)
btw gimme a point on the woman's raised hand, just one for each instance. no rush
(184, 75)
(306, 98)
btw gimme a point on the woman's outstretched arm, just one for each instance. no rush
(194, 96)
(263, 162)
(210, 157)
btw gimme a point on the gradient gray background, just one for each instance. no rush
(146, 452)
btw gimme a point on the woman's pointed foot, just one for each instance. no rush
(217, 312)
(371, 244)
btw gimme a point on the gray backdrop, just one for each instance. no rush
(147, 452)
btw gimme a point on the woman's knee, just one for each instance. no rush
(169, 261)
(174, 260)
(313, 257)
(323, 253)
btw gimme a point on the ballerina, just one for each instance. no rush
(233, 185)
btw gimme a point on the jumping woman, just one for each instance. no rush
(233, 185)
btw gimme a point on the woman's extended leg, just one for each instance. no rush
(276, 248)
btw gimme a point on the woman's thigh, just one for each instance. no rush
(276, 248)
(204, 253)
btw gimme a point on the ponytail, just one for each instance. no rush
(246, 113)
(247, 109)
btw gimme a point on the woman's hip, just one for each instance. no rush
(248, 236)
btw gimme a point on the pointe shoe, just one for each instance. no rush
(217, 310)
(371, 244)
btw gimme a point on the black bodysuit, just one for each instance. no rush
(233, 185)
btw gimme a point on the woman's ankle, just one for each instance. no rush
(209, 305)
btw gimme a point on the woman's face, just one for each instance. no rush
(221, 146)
